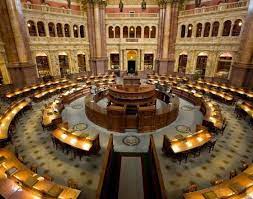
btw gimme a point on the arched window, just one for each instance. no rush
(207, 29)
(182, 31)
(199, 30)
(146, 32)
(41, 29)
(226, 28)
(75, 31)
(138, 32)
(189, 33)
(66, 30)
(59, 30)
(82, 33)
(201, 64)
(237, 27)
(110, 32)
(125, 32)
(224, 64)
(215, 29)
(182, 62)
(31, 28)
(132, 32)
(153, 32)
(51, 29)
(117, 32)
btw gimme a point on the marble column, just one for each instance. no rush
(173, 36)
(97, 36)
(20, 66)
(97, 29)
(242, 68)
(166, 60)
(163, 62)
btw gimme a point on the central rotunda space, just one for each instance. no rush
(132, 105)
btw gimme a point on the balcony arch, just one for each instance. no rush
(189, 32)
(41, 29)
(51, 29)
(207, 29)
(125, 32)
(153, 32)
(66, 30)
(59, 30)
(110, 32)
(82, 31)
(237, 27)
(75, 31)
(226, 28)
(138, 32)
(182, 31)
(146, 32)
(215, 30)
(31, 28)
(132, 32)
(199, 30)
(117, 32)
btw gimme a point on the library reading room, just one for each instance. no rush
(126, 99)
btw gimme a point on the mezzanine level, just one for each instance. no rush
(222, 7)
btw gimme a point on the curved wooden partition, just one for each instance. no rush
(210, 110)
(115, 118)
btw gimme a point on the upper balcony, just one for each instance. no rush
(48, 9)
(215, 9)
(131, 15)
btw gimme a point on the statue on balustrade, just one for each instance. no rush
(121, 6)
(197, 3)
(143, 5)
(69, 4)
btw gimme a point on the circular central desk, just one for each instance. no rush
(132, 108)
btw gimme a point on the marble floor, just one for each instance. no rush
(35, 146)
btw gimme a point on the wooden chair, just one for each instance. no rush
(191, 188)
(232, 174)
(48, 177)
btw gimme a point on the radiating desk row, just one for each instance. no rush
(33, 87)
(84, 140)
(51, 114)
(245, 107)
(74, 93)
(7, 117)
(235, 90)
(39, 95)
(225, 97)
(186, 143)
(239, 187)
(17, 181)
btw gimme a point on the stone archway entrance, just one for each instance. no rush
(131, 61)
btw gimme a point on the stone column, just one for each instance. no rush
(97, 36)
(173, 36)
(242, 68)
(97, 29)
(163, 62)
(14, 36)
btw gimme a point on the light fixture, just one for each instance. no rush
(75, 28)
(131, 29)
(29, 25)
(240, 23)
(190, 28)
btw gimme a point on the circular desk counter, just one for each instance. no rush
(148, 118)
